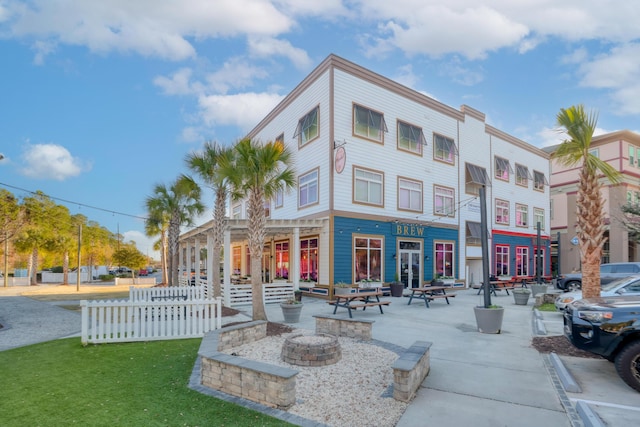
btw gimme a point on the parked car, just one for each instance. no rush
(143, 272)
(608, 273)
(610, 327)
(626, 286)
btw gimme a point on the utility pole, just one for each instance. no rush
(79, 248)
(5, 276)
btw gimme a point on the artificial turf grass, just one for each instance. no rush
(61, 383)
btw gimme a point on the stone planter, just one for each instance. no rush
(397, 289)
(291, 312)
(489, 320)
(538, 289)
(521, 296)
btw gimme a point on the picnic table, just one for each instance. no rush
(360, 299)
(430, 293)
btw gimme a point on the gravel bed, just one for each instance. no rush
(356, 391)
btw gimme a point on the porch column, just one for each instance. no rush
(294, 259)
(212, 273)
(188, 263)
(227, 268)
(180, 264)
(197, 262)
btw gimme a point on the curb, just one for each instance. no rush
(589, 418)
(568, 382)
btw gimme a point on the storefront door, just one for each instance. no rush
(410, 264)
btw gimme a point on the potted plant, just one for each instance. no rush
(341, 288)
(280, 279)
(489, 319)
(448, 280)
(521, 296)
(291, 310)
(538, 288)
(397, 287)
(437, 280)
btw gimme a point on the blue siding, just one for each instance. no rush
(346, 228)
(513, 241)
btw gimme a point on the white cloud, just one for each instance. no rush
(619, 72)
(51, 161)
(266, 47)
(146, 27)
(243, 110)
(179, 83)
(236, 73)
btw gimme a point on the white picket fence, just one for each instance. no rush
(158, 319)
(170, 293)
(241, 294)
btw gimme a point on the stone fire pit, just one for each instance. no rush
(311, 350)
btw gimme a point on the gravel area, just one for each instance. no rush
(356, 391)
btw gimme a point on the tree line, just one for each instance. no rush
(35, 231)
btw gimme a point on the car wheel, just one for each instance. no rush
(628, 364)
(573, 286)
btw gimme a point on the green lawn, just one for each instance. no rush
(61, 383)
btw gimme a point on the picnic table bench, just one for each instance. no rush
(356, 300)
(430, 293)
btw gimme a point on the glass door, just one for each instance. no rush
(410, 264)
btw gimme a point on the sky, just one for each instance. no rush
(102, 100)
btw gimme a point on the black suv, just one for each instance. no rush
(610, 327)
(608, 273)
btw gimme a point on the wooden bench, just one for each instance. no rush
(445, 296)
(356, 300)
(370, 304)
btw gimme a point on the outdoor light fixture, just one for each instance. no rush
(395, 256)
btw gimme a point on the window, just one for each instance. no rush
(522, 213)
(522, 261)
(632, 155)
(236, 259)
(502, 260)
(368, 123)
(502, 212)
(368, 259)
(503, 168)
(309, 259)
(444, 259)
(409, 195)
(522, 175)
(443, 203)
(308, 189)
(475, 177)
(539, 181)
(236, 212)
(473, 233)
(551, 208)
(368, 187)
(279, 199)
(282, 260)
(538, 217)
(444, 148)
(410, 138)
(307, 127)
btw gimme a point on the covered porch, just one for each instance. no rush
(283, 267)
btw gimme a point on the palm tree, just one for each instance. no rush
(590, 228)
(207, 165)
(182, 202)
(157, 224)
(257, 173)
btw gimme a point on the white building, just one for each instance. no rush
(388, 180)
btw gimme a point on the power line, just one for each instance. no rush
(76, 203)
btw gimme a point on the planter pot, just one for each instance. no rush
(397, 289)
(341, 291)
(489, 320)
(291, 312)
(298, 296)
(520, 297)
(538, 289)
